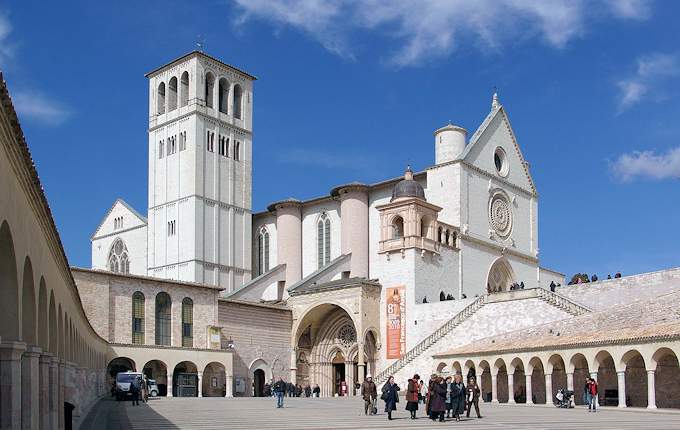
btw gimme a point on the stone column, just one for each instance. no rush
(511, 388)
(10, 384)
(169, 384)
(30, 388)
(621, 377)
(45, 361)
(570, 381)
(530, 398)
(62, 389)
(293, 366)
(651, 389)
(200, 384)
(494, 388)
(229, 391)
(549, 399)
(361, 365)
(54, 393)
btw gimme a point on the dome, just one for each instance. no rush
(408, 187)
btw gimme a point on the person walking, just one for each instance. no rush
(316, 391)
(279, 391)
(587, 398)
(145, 391)
(472, 396)
(390, 394)
(457, 397)
(592, 388)
(449, 396)
(369, 392)
(135, 387)
(412, 393)
(438, 399)
(428, 395)
(422, 391)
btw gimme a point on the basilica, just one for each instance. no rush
(431, 271)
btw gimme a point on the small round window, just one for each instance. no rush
(500, 161)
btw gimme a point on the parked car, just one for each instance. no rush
(152, 387)
(123, 382)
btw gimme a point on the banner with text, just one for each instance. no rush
(396, 322)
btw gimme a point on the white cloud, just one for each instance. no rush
(427, 29)
(651, 73)
(38, 107)
(6, 48)
(630, 9)
(647, 164)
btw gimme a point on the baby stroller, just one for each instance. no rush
(565, 399)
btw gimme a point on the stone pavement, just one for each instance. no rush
(342, 413)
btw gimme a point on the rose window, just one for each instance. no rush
(347, 335)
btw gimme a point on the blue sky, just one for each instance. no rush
(352, 90)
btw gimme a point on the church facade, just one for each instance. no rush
(384, 278)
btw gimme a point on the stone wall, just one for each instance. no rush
(107, 300)
(261, 336)
(615, 292)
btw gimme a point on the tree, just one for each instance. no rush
(582, 276)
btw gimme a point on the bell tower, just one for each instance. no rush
(200, 171)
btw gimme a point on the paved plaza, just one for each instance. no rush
(339, 413)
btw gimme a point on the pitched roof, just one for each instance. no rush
(124, 203)
(203, 54)
(499, 110)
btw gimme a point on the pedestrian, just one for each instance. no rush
(592, 389)
(449, 396)
(145, 391)
(422, 391)
(586, 393)
(472, 397)
(369, 393)
(438, 399)
(316, 391)
(308, 391)
(428, 395)
(457, 397)
(412, 393)
(279, 391)
(135, 389)
(390, 394)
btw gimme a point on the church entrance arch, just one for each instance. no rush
(500, 276)
(258, 383)
(328, 347)
(260, 372)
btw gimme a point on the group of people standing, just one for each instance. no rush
(442, 397)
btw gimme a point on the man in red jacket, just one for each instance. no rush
(592, 389)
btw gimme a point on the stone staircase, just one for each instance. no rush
(549, 297)
(426, 343)
(561, 302)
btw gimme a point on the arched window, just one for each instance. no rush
(424, 226)
(209, 86)
(323, 240)
(172, 94)
(119, 261)
(397, 227)
(223, 95)
(238, 96)
(184, 89)
(446, 238)
(163, 318)
(187, 323)
(454, 237)
(138, 318)
(439, 235)
(237, 150)
(263, 251)
(161, 98)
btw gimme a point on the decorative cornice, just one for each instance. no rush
(197, 112)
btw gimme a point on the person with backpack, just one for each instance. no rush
(369, 393)
(135, 388)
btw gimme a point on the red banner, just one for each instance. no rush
(396, 322)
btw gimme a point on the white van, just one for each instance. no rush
(123, 382)
(152, 387)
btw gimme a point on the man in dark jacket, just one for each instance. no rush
(279, 390)
(369, 393)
